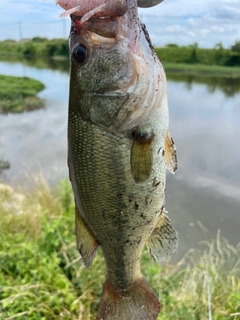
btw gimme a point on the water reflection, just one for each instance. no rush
(39, 63)
(204, 122)
(230, 86)
(36, 141)
(206, 128)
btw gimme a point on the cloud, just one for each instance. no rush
(182, 22)
(37, 18)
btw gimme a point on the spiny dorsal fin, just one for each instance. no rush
(164, 240)
(170, 154)
(86, 244)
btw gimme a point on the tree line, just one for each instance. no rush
(36, 47)
(191, 54)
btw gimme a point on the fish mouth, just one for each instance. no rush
(102, 26)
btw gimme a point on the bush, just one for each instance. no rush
(39, 39)
(57, 47)
(29, 49)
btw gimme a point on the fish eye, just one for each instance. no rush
(80, 53)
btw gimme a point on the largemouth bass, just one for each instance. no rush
(119, 148)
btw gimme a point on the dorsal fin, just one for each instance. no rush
(170, 154)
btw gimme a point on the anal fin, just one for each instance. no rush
(170, 154)
(86, 244)
(164, 239)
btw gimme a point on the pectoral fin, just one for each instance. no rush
(86, 244)
(164, 239)
(141, 155)
(170, 154)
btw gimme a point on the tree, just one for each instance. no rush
(218, 46)
(236, 47)
(193, 56)
(172, 45)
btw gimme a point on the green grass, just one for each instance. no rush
(42, 277)
(201, 70)
(18, 94)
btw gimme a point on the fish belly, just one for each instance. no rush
(119, 212)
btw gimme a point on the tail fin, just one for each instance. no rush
(138, 302)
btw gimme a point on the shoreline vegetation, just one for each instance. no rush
(185, 59)
(18, 94)
(42, 277)
(201, 70)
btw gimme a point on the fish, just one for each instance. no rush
(119, 148)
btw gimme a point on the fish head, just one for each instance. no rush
(114, 71)
(100, 58)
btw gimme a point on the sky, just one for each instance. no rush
(183, 22)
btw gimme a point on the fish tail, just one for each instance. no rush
(138, 302)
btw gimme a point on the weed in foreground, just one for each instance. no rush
(42, 277)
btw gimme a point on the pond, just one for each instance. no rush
(204, 122)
